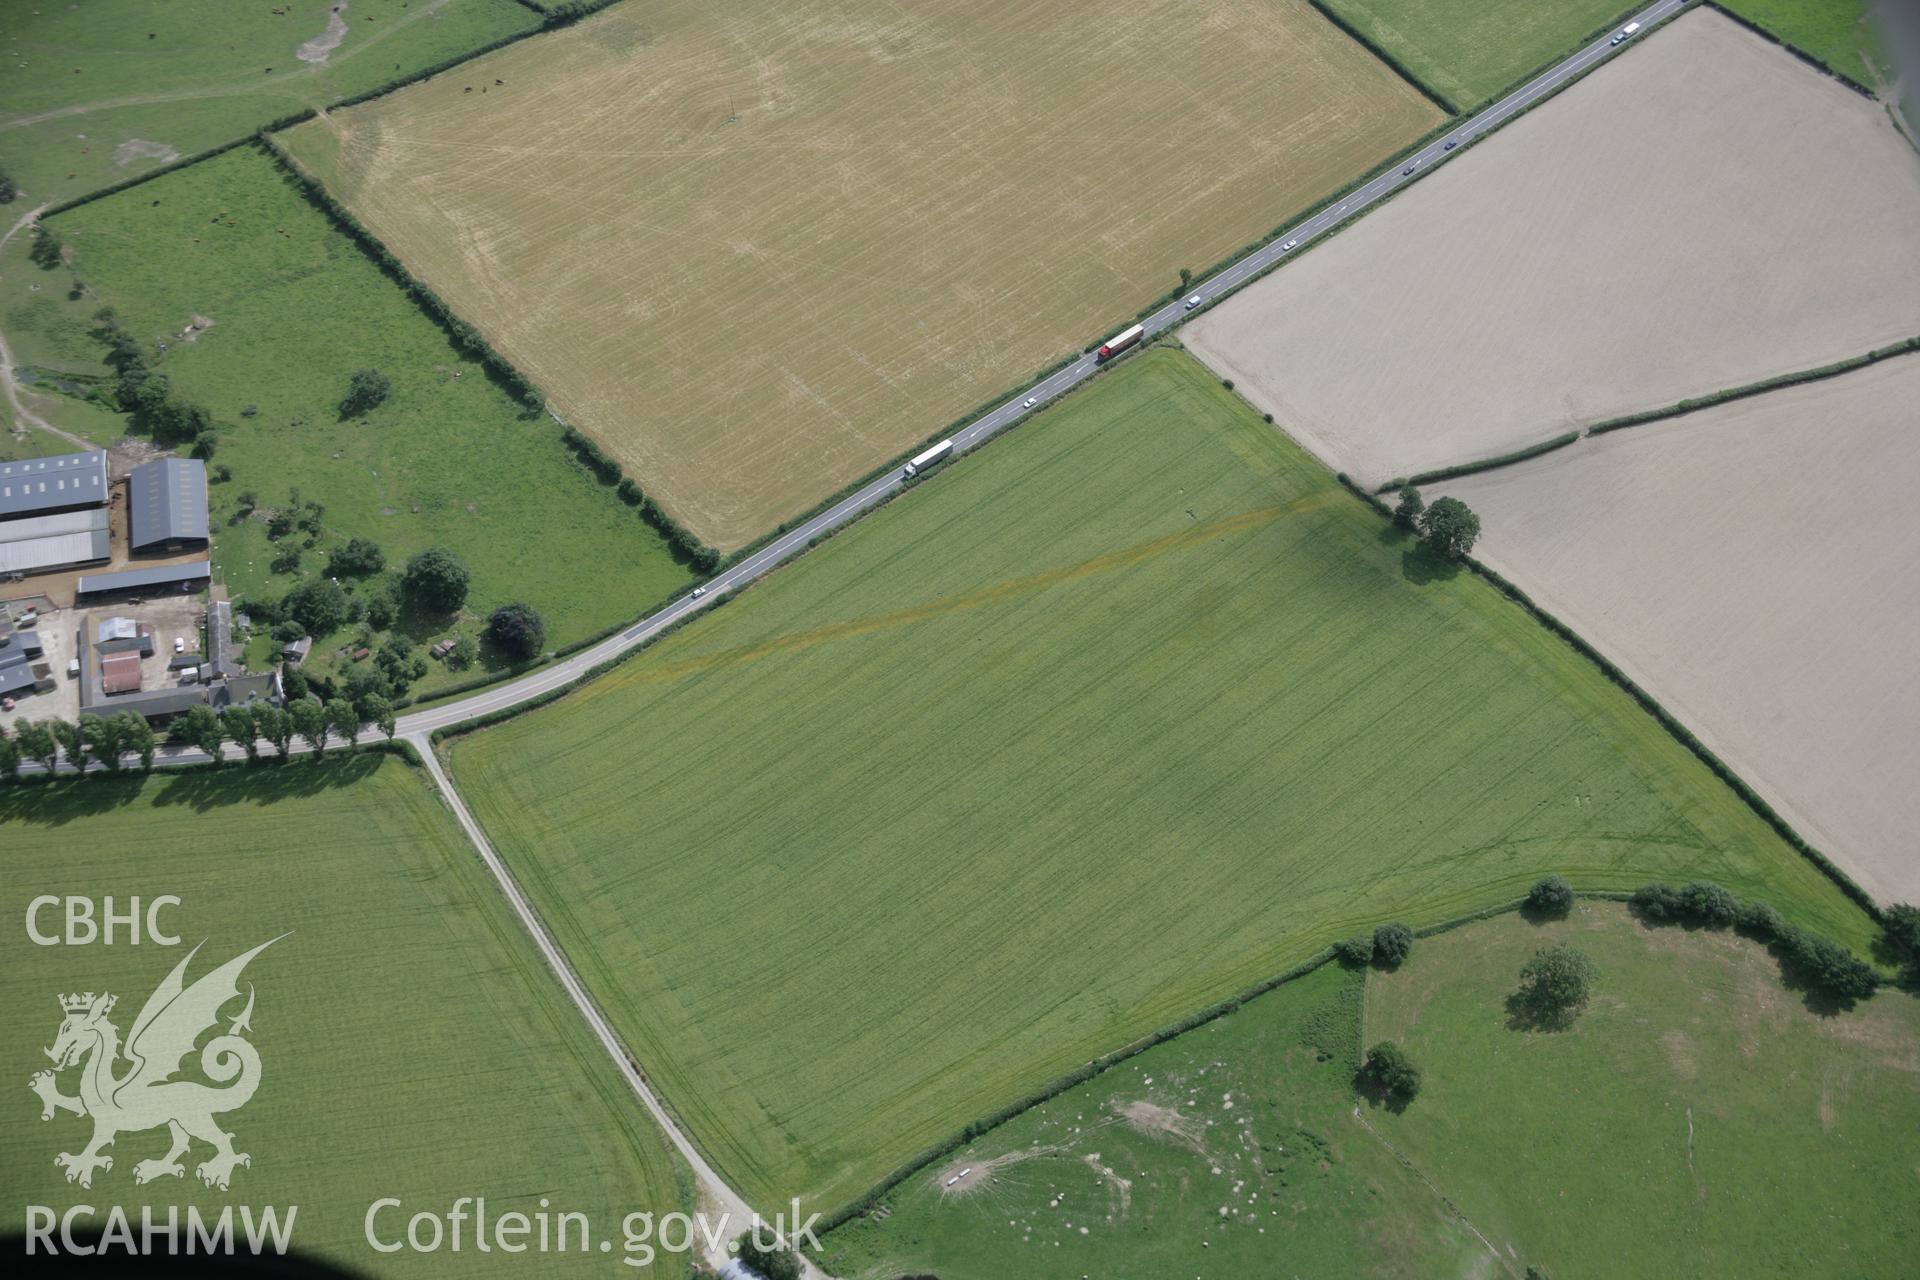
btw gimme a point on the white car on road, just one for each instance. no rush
(1193, 302)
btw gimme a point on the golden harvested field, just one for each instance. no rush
(757, 252)
(1704, 212)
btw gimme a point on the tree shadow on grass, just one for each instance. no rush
(1421, 564)
(1377, 1095)
(268, 781)
(1541, 917)
(1525, 1012)
(55, 803)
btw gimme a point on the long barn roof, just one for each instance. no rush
(34, 485)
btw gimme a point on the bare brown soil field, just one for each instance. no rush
(757, 249)
(1756, 567)
(1704, 212)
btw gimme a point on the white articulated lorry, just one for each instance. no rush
(921, 461)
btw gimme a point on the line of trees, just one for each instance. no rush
(109, 740)
(148, 394)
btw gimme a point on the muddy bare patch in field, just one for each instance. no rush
(1165, 1123)
(140, 149)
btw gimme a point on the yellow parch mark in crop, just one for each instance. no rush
(666, 672)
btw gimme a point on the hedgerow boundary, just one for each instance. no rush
(989, 405)
(473, 342)
(1107, 1061)
(1817, 63)
(1907, 346)
(1398, 67)
(1653, 707)
(301, 117)
(1484, 464)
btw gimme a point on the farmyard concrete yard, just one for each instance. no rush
(1707, 212)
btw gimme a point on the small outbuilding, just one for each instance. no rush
(120, 673)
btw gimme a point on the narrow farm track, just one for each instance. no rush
(22, 414)
(418, 727)
(717, 1198)
(225, 89)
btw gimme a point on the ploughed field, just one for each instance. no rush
(1121, 716)
(1794, 668)
(1707, 212)
(758, 249)
(95, 93)
(411, 1043)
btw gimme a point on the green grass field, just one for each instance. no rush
(1127, 1174)
(1469, 50)
(449, 460)
(1838, 32)
(1127, 713)
(412, 1044)
(95, 93)
(1696, 1120)
(1561, 1147)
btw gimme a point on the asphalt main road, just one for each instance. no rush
(417, 727)
(420, 724)
(1037, 396)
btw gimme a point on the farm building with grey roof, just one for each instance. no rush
(42, 486)
(167, 501)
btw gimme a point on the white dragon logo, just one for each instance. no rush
(145, 1096)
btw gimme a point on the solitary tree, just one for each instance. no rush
(1902, 925)
(45, 250)
(1407, 513)
(461, 656)
(344, 719)
(310, 722)
(1392, 943)
(1451, 527)
(770, 1262)
(1550, 896)
(137, 736)
(1557, 981)
(37, 742)
(237, 722)
(199, 727)
(67, 734)
(367, 389)
(275, 725)
(1354, 951)
(101, 735)
(1390, 1070)
(318, 604)
(436, 580)
(9, 191)
(360, 557)
(379, 713)
(517, 631)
